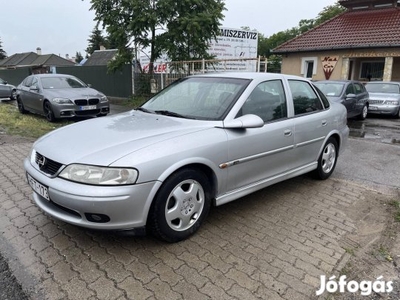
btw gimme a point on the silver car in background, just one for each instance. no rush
(204, 140)
(59, 96)
(7, 91)
(384, 97)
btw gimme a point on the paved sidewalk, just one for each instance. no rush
(274, 244)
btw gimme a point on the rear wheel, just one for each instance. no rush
(13, 95)
(48, 112)
(181, 205)
(364, 113)
(327, 160)
(21, 106)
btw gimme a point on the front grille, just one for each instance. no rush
(376, 101)
(83, 102)
(46, 165)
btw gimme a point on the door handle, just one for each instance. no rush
(287, 132)
(324, 123)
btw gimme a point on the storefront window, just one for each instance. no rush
(372, 70)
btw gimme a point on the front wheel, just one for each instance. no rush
(21, 106)
(180, 206)
(327, 160)
(364, 113)
(13, 95)
(48, 112)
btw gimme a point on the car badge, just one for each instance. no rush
(42, 163)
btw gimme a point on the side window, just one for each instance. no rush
(350, 89)
(325, 100)
(305, 100)
(34, 82)
(359, 89)
(28, 81)
(267, 101)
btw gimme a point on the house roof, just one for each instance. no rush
(101, 57)
(369, 28)
(33, 59)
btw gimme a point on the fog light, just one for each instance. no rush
(97, 218)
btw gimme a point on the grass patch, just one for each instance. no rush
(133, 102)
(396, 205)
(29, 125)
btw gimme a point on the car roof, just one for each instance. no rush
(337, 81)
(250, 75)
(52, 75)
(383, 82)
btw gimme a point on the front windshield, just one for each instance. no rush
(387, 88)
(204, 98)
(330, 89)
(59, 82)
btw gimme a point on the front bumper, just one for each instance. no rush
(72, 110)
(383, 109)
(96, 207)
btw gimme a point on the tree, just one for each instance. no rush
(265, 45)
(95, 40)
(3, 54)
(192, 27)
(155, 23)
(78, 57)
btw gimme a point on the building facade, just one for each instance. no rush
(362, 43)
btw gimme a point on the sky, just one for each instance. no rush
(63, 26)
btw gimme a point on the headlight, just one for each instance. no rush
(62, 101)
(392, 102)
(99, 175)
(103, 99)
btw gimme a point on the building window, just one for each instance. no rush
(308, 66)
(372, 70)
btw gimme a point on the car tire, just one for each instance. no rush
(101, 115)
(13, 95)
(21, 106)
(327, 160)
(180, 206)
(48, 112)
(397, 116)
(364, 113)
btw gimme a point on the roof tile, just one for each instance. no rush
(351, 29)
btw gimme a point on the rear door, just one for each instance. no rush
(362, 98)
(312, 123)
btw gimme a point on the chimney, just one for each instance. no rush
(102, 48)
(67, 56)
(39, 51)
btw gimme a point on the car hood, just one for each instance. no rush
(102, 141)
(73, 93)
(383, 96)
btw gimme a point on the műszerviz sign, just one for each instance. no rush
(240, 34)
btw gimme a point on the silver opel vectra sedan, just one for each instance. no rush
(204, 140)
(60, 96)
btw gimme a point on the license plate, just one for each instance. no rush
(88, 107)
(38, 187)
(372, 108)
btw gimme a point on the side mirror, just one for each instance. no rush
(33, 88)
(350, 96)
(246, 121)
(5, 82)
(89, 85)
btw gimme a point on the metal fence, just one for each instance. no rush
(165, 73)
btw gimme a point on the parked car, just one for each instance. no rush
(204, 140)
(7, 90)
(384, 97)
(59, 96)
(350, 93)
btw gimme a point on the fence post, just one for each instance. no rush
(203, 65)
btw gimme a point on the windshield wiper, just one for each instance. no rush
(170, 113)
(144, 110)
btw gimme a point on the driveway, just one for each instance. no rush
(273, 244)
